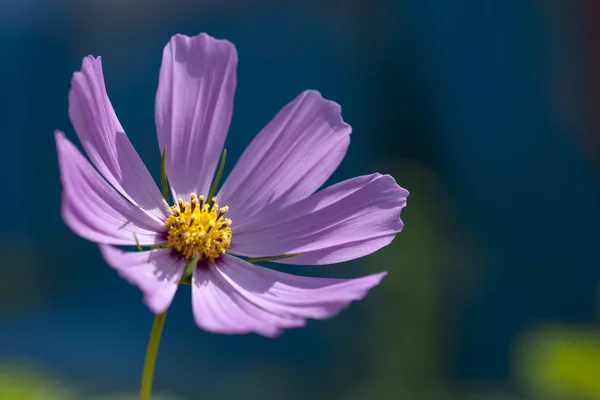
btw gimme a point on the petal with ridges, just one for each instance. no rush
(234, 296)
(194, 104)
(219, 309)
(94, 209)
(105, 141)
(342, 222)
(156, 273)
(289, 159)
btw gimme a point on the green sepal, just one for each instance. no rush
(217, 180)
(163, 175)
(137, 242)
(272, 258)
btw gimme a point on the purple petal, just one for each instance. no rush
(156, 273)
(289, 159)
(105, 142)
(234, 296)
(94, 209)
(342, 222)
(193, 110)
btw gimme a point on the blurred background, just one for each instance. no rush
(488, 112)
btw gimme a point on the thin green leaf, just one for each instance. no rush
(215, 184)
(163, 175)
(272, 258)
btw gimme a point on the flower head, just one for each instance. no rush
(197, 230)
(269, 205)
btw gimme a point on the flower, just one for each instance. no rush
(272, 207)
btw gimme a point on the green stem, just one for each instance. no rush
(151, 353)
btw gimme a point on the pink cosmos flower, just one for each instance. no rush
(272, 207)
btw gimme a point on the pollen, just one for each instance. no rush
(198, 229)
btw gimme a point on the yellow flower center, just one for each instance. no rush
(198, 230)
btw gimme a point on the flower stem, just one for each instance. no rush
(151, 353)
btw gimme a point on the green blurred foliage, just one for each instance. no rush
(21, 382)
(24, 383)
(130, 396)
(21, 273)
(560, 362)
(431, 267)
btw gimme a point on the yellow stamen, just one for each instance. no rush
(197, 230)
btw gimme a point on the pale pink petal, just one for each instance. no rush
(94, 209)
(289, 159)
(194, 103)
(105, 141)
(234, 296)
(156, 273)
(342, 222)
